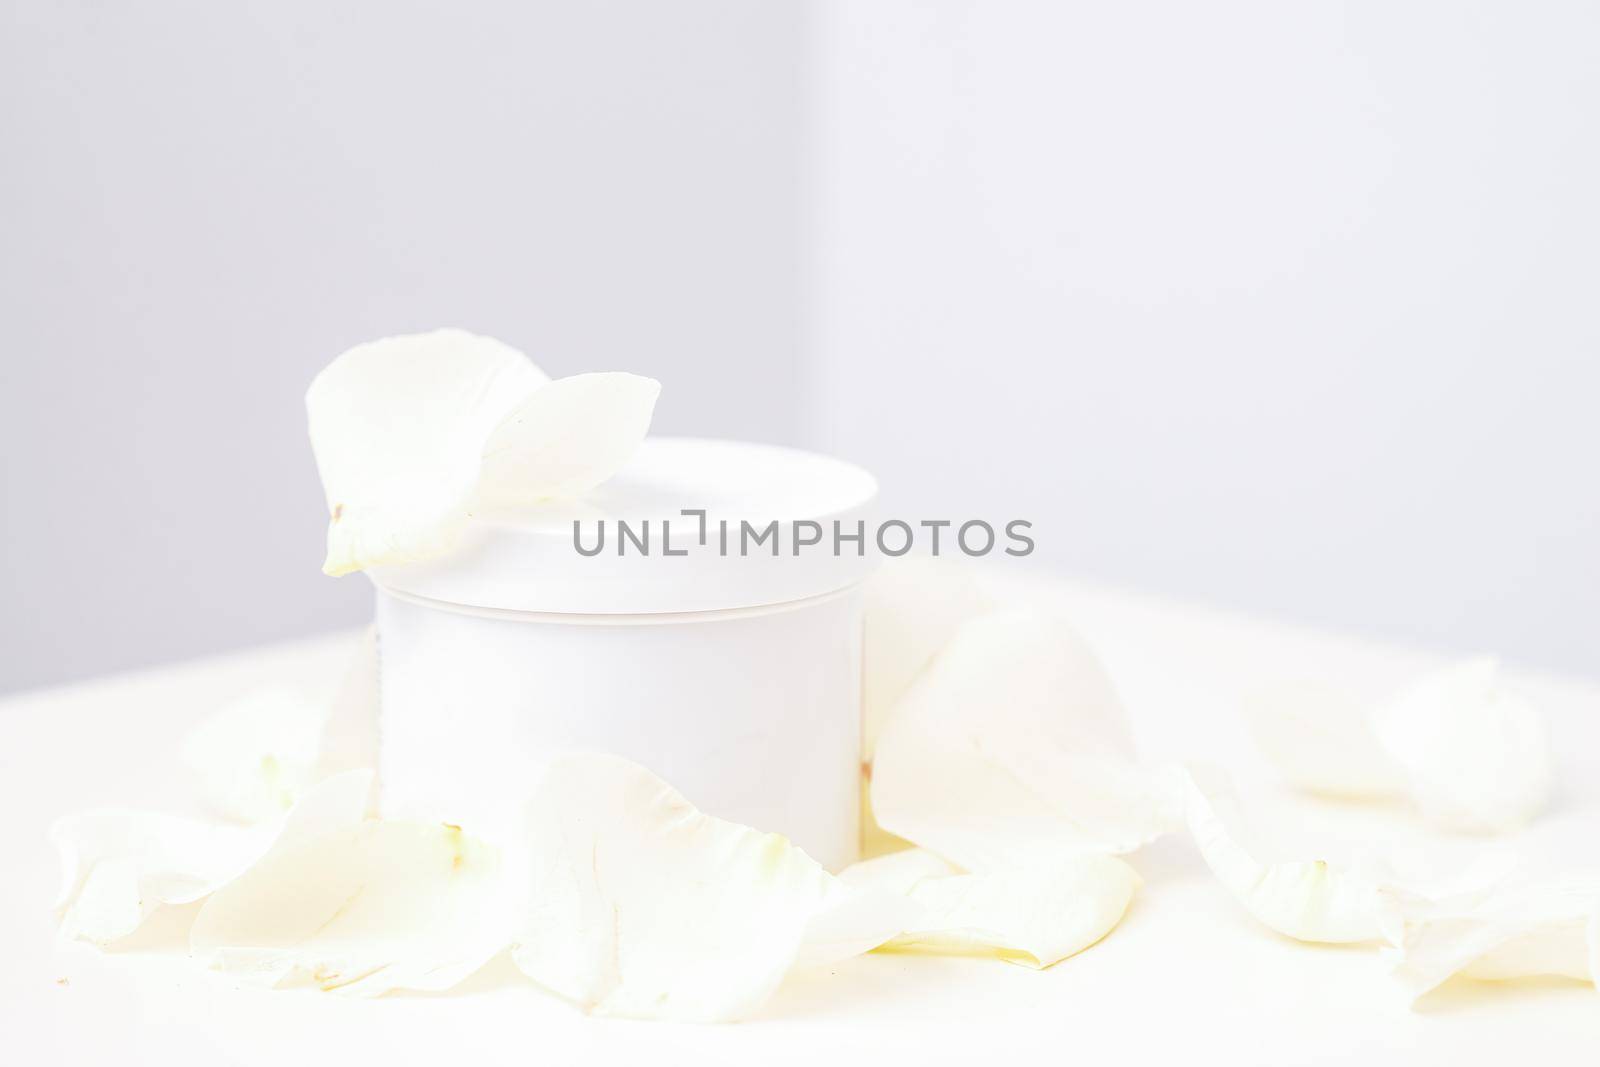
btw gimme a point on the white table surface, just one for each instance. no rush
(1187, 977)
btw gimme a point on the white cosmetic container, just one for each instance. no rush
(734, 677)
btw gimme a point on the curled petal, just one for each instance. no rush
(1475, 754)
(853, 919)
(1321, 741)
(913, 608)
(1013, 740)
(361, 909)
(639, 905)
(1035, 915)
(567, 437)
(1516, 932)
(399, 427)
(119, 867)
(1309, 900)
(898, 872)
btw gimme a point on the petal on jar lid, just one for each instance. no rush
(361, 909)
(1322, 742)
(1515, 931)
(1013, 740)
(399, 427)
(641, 906)
(119, 867)
(1476, 755)
(1035, 915)
(1309, 900)
(567, 437)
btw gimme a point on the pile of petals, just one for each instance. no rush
(1002, 792)
(1004, 766)
(619, 896)
(998, 744)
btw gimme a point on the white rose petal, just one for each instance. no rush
(1471, 754)
(119, 867)
(260, 754)
(257, 755)
(1011, 741)
(851, 920)
(1034, 915)
(1515, 932)
(398, 427)
(412, 433)
(361, 908)
(913, 608)
(642, 906)
(1310, 900)
(1476, 755)
(567, 437)
(898, 872)
(1322, 742)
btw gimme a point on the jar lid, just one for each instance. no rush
(779, 525)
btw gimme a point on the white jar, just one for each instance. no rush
(734, 677)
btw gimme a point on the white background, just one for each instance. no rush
(1287, 307)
